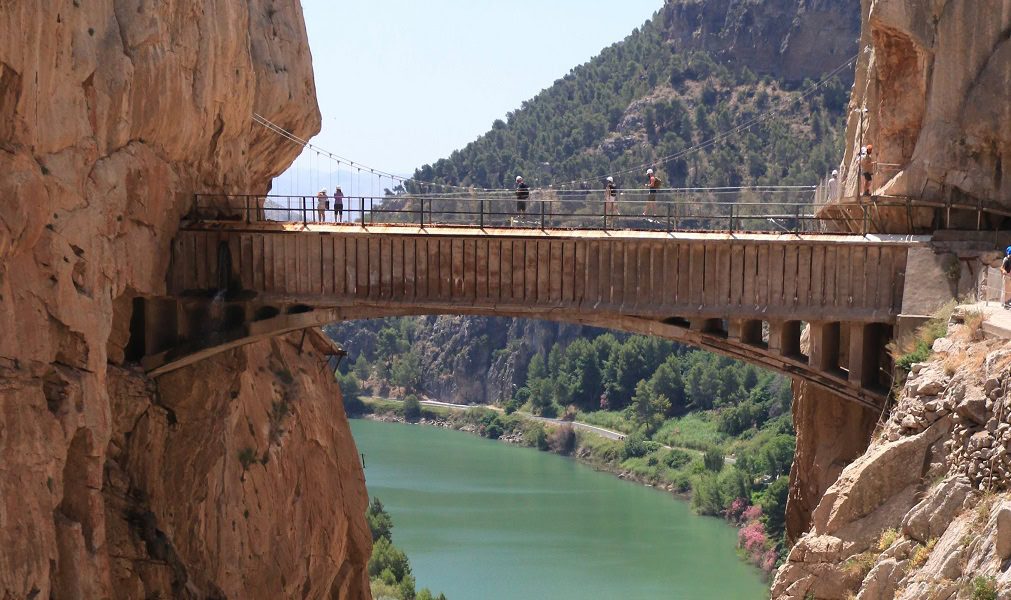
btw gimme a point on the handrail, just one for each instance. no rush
(686, 209)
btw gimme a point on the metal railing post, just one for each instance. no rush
(246, 203)
(542, 214)
(480, 205)
(796, 218)
(305, 217)
(731, 218)
(421, 216)
(863, 209)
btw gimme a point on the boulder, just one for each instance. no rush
(933, 514)
(972, 407)
(1004, 531)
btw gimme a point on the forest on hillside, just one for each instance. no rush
(638, 102)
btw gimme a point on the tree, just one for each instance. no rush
(412, 408)
(406, 371)
(773, 505)
(667, 382)
(713, 459)
(648, 407)
(380, 523)
(351, 391)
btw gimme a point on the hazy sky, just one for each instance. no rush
(402, 83)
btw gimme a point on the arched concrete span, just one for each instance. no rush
(747, 296)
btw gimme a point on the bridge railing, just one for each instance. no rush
(724, 209)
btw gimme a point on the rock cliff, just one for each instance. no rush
(924, 513)
(931, 96)
(112, 114)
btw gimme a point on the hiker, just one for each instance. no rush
(338, 204)
(610, 194)
(1005, 273)
(832, 188)
(867, 168)
(522, 194)
(653, 184)
(322, 204)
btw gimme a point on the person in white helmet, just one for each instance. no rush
(653, 184)
(832, 189)
(322, 204)
(610, 194)
(522, 194)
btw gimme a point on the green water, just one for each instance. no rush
(483, 520)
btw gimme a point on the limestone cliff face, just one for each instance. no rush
(112, 113)
(925, 512)
(931, 96)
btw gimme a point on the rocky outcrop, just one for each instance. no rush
(820, 458)
(931, 96)
(112, 114)
(920, 515)
(786, 39)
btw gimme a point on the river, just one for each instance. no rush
(483, 520)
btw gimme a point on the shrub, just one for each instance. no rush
(634, 447)
(887, 538)
(536, 437)
(984, 588)
(713, 459)
(412, 408)
(676, 459)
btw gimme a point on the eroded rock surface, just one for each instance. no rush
(112, 114)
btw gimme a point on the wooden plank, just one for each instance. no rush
(750, 288)
(543, 271)
(655, 275)
(829, 297)
(340, 266)
(762, 278)
(777, 266)
(200, 260)
(580, 272)
(315, 244)
(469, 273)
(818, 276)
(397, 291)
(724, 260)
(421, 255)
(508, 272)
(326, 264)
(670, 274)
(568, 278)
(268, 263)
(804, 276)
(605, 271)
(530, 271)
(444, 270)
(385, 267)
(592, 274)
(361, 267)
(885, 275)
(844, 265)
(410, 268)
(684, 286)
(618, 273)
(697, 274)
(375, 267)
(457, 268)
(519, 270)
(790, 275)
(556, 272)
(899, 278)
(857, 272)
(629, 275)
(494, 270)
(868, 279)
(737, 275)
(711, 284)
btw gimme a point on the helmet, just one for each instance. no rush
(649, 171)
(1008, 251)
(834, 172)
(519, 178)
(610, 179)
(870, 147)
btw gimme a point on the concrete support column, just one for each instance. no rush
(866, 345)
(824, 346)
(784, 337)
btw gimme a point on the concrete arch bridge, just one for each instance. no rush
(750, 296)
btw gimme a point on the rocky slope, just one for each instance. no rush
(111, 115)
(931, 97)
(925, 512)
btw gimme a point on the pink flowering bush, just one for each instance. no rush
(751, 537)
(768, 563)
(751, 513)
(736, 509)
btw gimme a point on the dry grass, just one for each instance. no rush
(983, 510)
(969, 361)
(859, 565)
(922, 553)
(888, 538)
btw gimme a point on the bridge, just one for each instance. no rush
(816, 306)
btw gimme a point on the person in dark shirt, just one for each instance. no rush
(653, 184)
(1005, 272)
(610, 194)
(522, 194)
